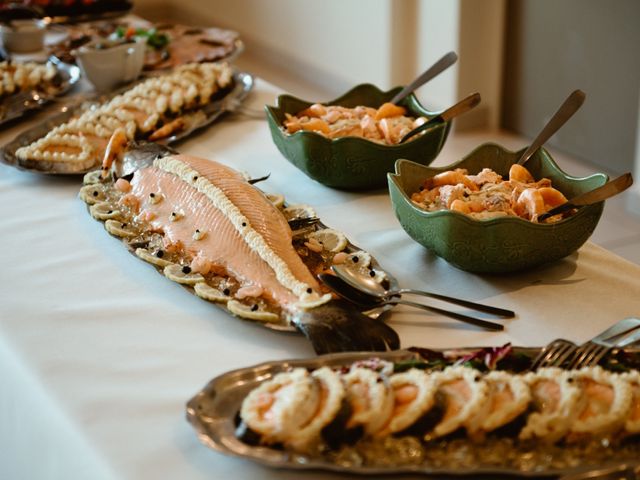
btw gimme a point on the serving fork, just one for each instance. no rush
(560, 352)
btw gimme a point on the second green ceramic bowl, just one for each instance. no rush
(499, 245)
(352, 163)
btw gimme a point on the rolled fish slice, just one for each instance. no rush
(632, 423)
(554, 397)
(281, 406)
(605, 401)
(326, 412)
(507, 399)
(371, 399)
(414, 407)
(463, 392)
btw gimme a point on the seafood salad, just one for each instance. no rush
(386, 124)
(154, 109)
(487, 195)
(374, 413)
(22, 77)
(206, 227)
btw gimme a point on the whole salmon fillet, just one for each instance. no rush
(208, 228)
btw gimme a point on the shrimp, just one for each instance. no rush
(292, 123)
(316, 125)
(453, 177)
(520, 174)
(471, 206)
(530, 204)
(115, 148)
(167, 129)
(552, 197)
(316, 110)
(387, 110)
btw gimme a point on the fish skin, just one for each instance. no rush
(338, 326)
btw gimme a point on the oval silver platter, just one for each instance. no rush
(212, 413)
(243, 84)
(15, 106)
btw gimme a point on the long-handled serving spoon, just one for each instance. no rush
(596, 195)
(463, 106)
(365, 300)
(564, 113)
(368, 285)
(434, 70)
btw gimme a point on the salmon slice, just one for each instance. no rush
(604, 406)
(250, 240)
(632, 425)
(464, 393)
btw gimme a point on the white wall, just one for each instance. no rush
(336, 44)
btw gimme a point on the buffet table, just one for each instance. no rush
(99, 353)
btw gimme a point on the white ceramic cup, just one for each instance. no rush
(23, 36)
(109, 67)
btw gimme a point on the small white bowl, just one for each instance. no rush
(111, 65)
(23, 36)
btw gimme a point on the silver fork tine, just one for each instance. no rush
(553, 354)
(588, 355)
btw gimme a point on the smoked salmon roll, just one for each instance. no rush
(415, 409)
(604, 404)
(554, 397)
(371, 399)
(464, 393)
(505, 406)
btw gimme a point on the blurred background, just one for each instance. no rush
(523, 56)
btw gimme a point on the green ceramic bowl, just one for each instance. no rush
(499, 245)
(350, 162)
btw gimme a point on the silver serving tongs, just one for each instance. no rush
(622, 334)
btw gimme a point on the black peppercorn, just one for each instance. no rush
(254, 308)
(159, 254)
(186, 270)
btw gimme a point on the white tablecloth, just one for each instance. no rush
(99, 353)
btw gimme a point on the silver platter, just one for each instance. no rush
(212, 413)
(15, 106)
(243, 84)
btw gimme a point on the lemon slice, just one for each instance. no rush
(182, 274)
(119, 229)
(210, 293)
(92, 177)
(276, 199)
(313, 301)
(331, 240)
(92, 193)
(298, 211)
(147, 256)
(251, 312)
(103, 211)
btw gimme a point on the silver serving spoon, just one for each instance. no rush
(362, 299)
(463, 106)
(368, 285)
(564, 113)
(434, 70)
(596, 195)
